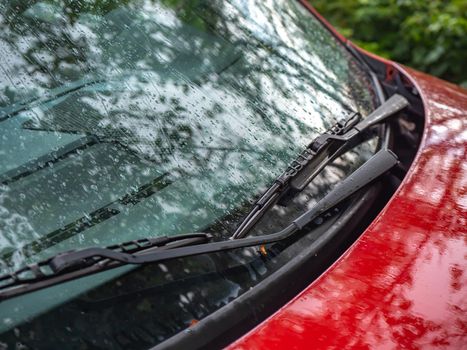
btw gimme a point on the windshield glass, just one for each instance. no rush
(205, 102)
(124, 119)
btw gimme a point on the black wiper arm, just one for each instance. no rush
(319, 153)
(70, 265)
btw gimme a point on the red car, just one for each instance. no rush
(206, 174)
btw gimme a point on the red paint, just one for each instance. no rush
(403, 284)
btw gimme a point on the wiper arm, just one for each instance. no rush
(71, 265)
(319, 153)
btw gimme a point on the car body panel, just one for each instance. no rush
(402, 284)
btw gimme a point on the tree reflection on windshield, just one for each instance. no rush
(220, 94)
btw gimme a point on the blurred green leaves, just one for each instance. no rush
(429, 35)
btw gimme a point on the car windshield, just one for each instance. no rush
(125, 119)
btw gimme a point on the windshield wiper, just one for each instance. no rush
(319, 153)
(42, 274)
(324, 149)
(71, 265)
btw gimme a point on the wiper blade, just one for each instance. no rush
(319, 153)
(71, 265)
(42, 274)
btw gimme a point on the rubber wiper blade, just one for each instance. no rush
(43, 274)
(71, 265)
(319, 153)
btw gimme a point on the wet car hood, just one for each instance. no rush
(403, 282)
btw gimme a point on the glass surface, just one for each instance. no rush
(203, 102)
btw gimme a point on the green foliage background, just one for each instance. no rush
(429, 35)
